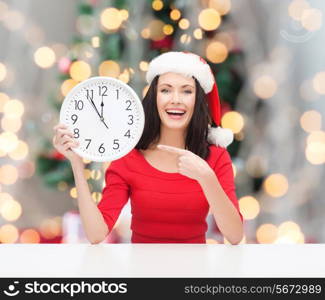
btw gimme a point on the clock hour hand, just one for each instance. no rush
(102, 107)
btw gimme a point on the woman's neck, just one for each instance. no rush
(172, 137)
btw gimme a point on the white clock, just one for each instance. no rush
(106, 117)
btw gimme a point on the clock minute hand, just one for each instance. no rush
(94, 106)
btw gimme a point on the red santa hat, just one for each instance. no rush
(192, 65)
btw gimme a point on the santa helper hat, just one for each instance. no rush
(190, 64)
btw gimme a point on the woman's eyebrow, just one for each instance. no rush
(172, 86)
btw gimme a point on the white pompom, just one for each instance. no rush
(220, 136)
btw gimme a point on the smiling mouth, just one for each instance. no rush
(175, 113)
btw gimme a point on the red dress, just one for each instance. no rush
(165, 207)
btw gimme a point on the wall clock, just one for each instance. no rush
(105, 115)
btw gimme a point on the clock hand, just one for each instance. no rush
(102, 106)
(94, 106)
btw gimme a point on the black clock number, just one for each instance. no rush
(117, 91)
(128, 108)
(76, 133)
(127, 134)
(116, 144)
(74, 118)
(102, 90)
(78, 104)
(90, 94)
(88, 140)
(101, 148)
(130, 119)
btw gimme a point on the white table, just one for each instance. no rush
(161, 260)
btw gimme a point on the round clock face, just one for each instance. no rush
(106, 117)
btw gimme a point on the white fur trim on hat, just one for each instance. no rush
(220, 136)
(187, 64)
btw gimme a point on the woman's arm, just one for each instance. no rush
(93, 222)
(224, 212)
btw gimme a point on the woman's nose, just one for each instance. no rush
(176, 98)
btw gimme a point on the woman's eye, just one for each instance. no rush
(164, 91)
(188, 92)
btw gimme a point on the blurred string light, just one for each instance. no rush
(80, 70)
(265, 87)
(10, 210)
(13, 108)
(209, 19)
(309, 18)
(319, 83)
(67, 85)
(216, 52)
(168, 29)
(156, 30)
(30, 236)
(4, 98)
(311, 121)
(276, 185)
(3, 71)
(8, 174)
(8, 234)
(266, 233)
(111, 18)
(8, 141)
(13, 20)
(44, 57)
(223, 7)
(184, 24)
(143, 66)
(175, 14)
(12, 124)
(249, 207)
(26, 169)
(20, 152)
(51, 228)
(73, 192)
(289, 232)
(185, 38)
(125, 76)
(95, 41)
(233, 120)
(109, 68)
(157, 5)
(315, 149)
(198, 34)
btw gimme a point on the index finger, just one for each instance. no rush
(172, 149)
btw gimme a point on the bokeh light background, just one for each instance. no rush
(278, 116)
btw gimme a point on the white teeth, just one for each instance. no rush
(175, 111)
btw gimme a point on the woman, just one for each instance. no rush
(178, 170)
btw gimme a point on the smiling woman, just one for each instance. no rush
(173, 187)
(178, 171)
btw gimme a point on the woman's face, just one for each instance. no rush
(175, 100)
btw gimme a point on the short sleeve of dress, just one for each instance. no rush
(114, 195)
(224, 171)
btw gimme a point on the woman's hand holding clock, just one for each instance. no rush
(63, 141)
